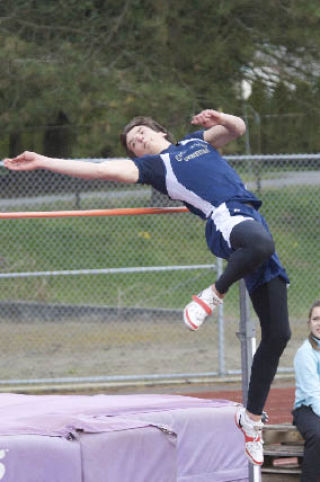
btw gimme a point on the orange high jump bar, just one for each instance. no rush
(92, 212)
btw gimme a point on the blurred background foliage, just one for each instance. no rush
(73, 73)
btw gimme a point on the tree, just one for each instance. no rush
(102, 62)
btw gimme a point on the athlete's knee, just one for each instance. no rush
(252, 236)
(259, 251)
(283, 340)
(263, 246)
(278, 341)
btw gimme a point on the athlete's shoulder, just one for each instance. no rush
(193, 136)
(151, 170)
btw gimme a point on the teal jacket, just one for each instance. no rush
(307, 373)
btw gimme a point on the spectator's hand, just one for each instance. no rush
(26, 161)
(207, 118)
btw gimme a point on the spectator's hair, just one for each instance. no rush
(313, 343)
(143, 121)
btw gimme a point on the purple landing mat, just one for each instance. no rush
(119, 438)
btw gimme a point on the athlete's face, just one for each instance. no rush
(143, 140)
(314, 322)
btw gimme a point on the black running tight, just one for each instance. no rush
(270, 303)
(252, 246)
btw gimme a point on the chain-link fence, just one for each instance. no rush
(76, 305)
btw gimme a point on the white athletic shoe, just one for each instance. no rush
(200, 308)
(253, 436)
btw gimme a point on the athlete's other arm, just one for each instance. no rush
(122, 170)
(221, 128)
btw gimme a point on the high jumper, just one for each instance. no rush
(193, 171)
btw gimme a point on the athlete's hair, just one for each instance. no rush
(312, 341)
(143, 121)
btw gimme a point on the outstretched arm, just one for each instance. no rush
(122, 170)
(221, 128)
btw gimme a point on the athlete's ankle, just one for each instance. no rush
(217, 293)
(253, 416)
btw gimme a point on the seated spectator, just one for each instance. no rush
(306, 413)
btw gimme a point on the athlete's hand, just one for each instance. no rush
(27, 161)
(207, 118)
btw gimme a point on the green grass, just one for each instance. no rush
(150, 240)
(293, 216)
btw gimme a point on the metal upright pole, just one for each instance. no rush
(247, 334)
(247, 337)
(222, 366)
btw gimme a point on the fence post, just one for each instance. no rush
(221, 341)
(247, 337)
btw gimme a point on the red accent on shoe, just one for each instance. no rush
(192, 325)
(250, 439)
(247, 439)
(204, 305)
(253, 460)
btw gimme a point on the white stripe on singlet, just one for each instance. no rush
(194, 139)
(176, 190)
